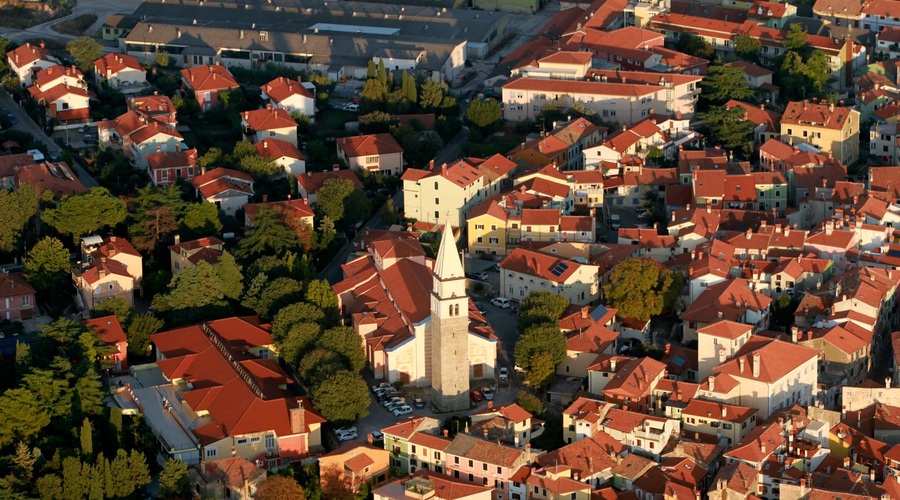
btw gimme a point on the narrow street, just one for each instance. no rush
(26, 124)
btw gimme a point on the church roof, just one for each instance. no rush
(448, 265)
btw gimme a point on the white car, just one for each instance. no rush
(352, 429)
(393, 401)
(402, 410)
(350, 107)
(501, 302)
(346, 436)
(488, 393)
(504, 373)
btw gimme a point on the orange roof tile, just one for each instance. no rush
(312, 181)
(108, 329)
(112, 64)
(539, 264)
(283, 88)
(210, 77)
(369, 145)
(268, 119)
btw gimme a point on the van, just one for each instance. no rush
(351, 107)
(501, 302)
(614, 221)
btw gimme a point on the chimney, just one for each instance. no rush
(335, 167)
(298, 419)
(723, 354)
(846, 462)
(446, 432)
(724, 411)
(719, 314)
(742, 364)
(756, 365)
(177, 239)
(584, 312)
(668, 347)
(762, 448)
(265, 198)
(444, 169)
(490, 405)
(485, 433)
(431, 164)
(795, 334)
(712, 383)
(887, 382)
(612, 364)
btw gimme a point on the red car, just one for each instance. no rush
(476, 396)
(355, 100)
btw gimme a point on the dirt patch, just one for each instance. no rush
(21, 15)
(75, 26)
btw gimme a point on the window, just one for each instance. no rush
(371, 159)
(26, 300)
(270, 440)
(435, 185)
(493, 227)
(479, 226)
(413, 448)
(471, 464)
(254, 439)
(242, 441)
(437, 215)
(272, 133)
(481, 240)
(494, 241)
(484, 467)
(211, 452)
(437, 455)
(456, 461)
(437, 201)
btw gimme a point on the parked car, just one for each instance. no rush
(615, 221)
(481, 307)
(90, 139)
(394, 400)
(351, 107)
(501, 302)
(419, 403)
(477, 276)
(402, 410)
(377, 437)
(381, 387)
(351, 428)
(488, 393)
(504, 373)
(394, 406)
(475, 396)
(11, 117)
(347, 435)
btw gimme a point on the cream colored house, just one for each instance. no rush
(511, 424)
(564, 64)
(236, 478)
(443, 194)
(832, 129)
(291, 95)
(154, 138)
(284, 154)
(487, 228)
(718, 342)
(229, 189)
(120, 71)
(355, 464)
(525, 271)
(104, 279)
(184, 255)
(582, 419)
(28, 59)
(643, 434)
(718, 419)
(269, 123)
(377, 153)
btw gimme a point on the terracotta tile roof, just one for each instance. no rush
(540, 217)
(722, 383)
(541, 186)
(628, 37)
(405, 428)
(701, 26)
(679, 359)
(283, 88)
(57, 92)
(757, 116)
(489, 207)
(108, 268)
(597, 338)
(195, 244)
(369, 145)
(493, 167)
(726, 329)
(312, 181)
(28, 53)
(113, 245)
(153, 129)
(108, 329)
(838, 8)
(586, 457)
(718, 411)
(776, 359)
(114, 63)
(10, 163)
(444, 487)
(236, 472)
(605, 13)
(761, 442)
(567, 57)
(288, 208)
(57, 178)
(429, 441)
(539, 264)
(633, 466)
(815, 115)
(209, 255)
(483, 451)
(220, 180)
(633, 378)
(14, 285)
(581, 87)
(46, 76)
(268, 119)
(749, 68)
(862, 445)
(740, 477)
(731, 297)
(841, 339)
(158, 161)
(210, 77)
(158, 107)
(511, 412)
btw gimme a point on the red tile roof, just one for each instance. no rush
(268, 119)
(539, 265)
(776, 359)
(312, 181)
(633, 378)
(289, 208)
(726, 329)
(14, 285)
(105, 266)
(57, 178)
(210, 77)
(113, 245)
(817, 115)
(159, 161)
(283, 88)
(731, 297)
(274, 149)
(49, 75)
(369, 145)
(582, 87)
(27, 54)
(108, 329)
(718, 410)
(153, 129)
(220, 180)
(114, 63)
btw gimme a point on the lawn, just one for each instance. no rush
(75, 26)
(334, 120)
(22, 15)
(494, 144)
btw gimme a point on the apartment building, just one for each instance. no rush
(643, 434)
(831, 129)
(524, 271)
(712, 418)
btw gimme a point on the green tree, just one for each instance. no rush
(88, 394)
(24, 460)
(277, 487)
(320, 294)
(723, 83)
(796, 40)
(212, 156)
(267, 296)
(382, 75)
(343, 397)
(694, 45)
(541, 370)
(485, 114)
(174, 480)
(816, 70)
(747, 48)
(373, 94)
(371, 70)
(201, 219)
(85, 213)
(85, 50)
(319, 365)
(200, 286)
(728, 127)
(300, 312)
(229, 273)
(541, 307)
(546, 338)
(87, 439)
(47, 265)
(530, 403)
(23, 357)
(641, 288)
(432, 94)
(408, 84)
(390, 213)
(299, 339)
(16, 209)
(162, 59)
(138, 333)
(348, 344)
(116, 306)
(243, 149)
(341, 201)
(75, 483)
(157, 225)
(268, 236)
(259, 167)
(50, 487)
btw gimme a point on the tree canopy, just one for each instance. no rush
(85, 50)
(723, 83)
(277, 487)
(344, 341)
(268, 236)
(485, 114)
(202, 285)
(728, 128)
(541, 307)
(82, 214)
(341, 201)
(641, 288)
(541, 338)
(16, 209)
(47, 265)
(342, 397)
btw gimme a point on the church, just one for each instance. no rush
(414, 318)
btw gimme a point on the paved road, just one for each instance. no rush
(101, 8)
(26, 124)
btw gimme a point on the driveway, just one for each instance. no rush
(26, 124)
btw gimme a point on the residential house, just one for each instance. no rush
(229, 189)
(207, 82)
(166, 168)
(633, 383)
(591, 458)
(121, 72)
(58, 178)
(354, 464)
(436, 485)
(104, 279)
(766, 123)
(233, 397)
(771, 374)
(860, 450)
(629, 469)
(588, 186)
(656, 137)
(725, 421)
(582, 418)
(189, 253)
(308, 184)
(883, 141)
(563, 145)
(46, 79)
(710, 264)
(510, 424)
(756, 75)
(736, 480)
(487, 228)
(426, 453)
(796, 275)
(443, 194)
(64, 103)
(719, 341)
(17, 299)
(28, 59)
(524, 271)
(549, 184)
(377, 153)
(291, 95)
(551, 482)
(153, 107)
(269, 123)
(643, 434)
(771, 14)
(582, 348)
(110, 333)
(485, 463)
(731, 299)
(234, 477)
(845, 356)
(120, 250)
(673, 478)
(832, 129)
(153, 137)
(284, 154)
(564, 64)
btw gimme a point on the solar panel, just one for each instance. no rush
(559, 269)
